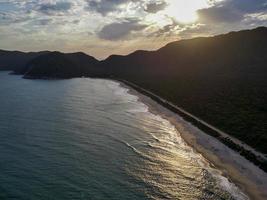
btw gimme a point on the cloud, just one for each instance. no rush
(195, 30)
(155, 7)
(248, 6)
(231, 11)
(120, 30)
(54, 7)
(105, 6)
(167, 30)
(43, 22)
(13, 18)
(218, 14)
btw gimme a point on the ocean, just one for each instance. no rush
(90, 139)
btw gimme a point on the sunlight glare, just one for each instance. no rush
(184, 11)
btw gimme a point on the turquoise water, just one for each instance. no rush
(90, 139)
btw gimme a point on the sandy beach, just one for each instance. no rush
(247, 176)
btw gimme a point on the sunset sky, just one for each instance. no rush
(104, 27)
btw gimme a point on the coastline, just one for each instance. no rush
(247, 176)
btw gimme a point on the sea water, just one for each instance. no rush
(90, 139)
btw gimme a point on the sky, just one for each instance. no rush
(104, 27)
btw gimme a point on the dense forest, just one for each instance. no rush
(221, 79)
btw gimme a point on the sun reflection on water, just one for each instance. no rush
(171, 169)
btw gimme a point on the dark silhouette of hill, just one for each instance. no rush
(60, 65)
(221, 79)
(16, 60)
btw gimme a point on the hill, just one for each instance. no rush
(60, 65)
(16, 60)
(220, 79)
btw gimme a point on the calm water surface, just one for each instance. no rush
(90, 139)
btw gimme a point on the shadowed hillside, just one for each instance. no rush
(60, 65)
(16, 60)
(220, 79)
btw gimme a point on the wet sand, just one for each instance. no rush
(247, 176)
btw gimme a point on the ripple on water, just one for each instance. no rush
(90, 139)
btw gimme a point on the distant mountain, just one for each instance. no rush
(221, 79)
(60, 65)
(16, 60)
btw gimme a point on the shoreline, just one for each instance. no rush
(258, 158)
(247, 176)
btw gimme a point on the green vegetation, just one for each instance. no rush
(221, 80)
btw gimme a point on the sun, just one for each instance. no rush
(185, 11)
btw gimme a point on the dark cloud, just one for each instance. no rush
(54, 8)
(120, 30)
(230, 11)
(12, 18)
(219, 14)
(44, 22)
(105, 6)
(76, 21)
(248, 6)
(155, 7)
